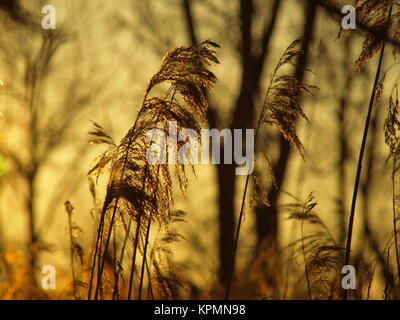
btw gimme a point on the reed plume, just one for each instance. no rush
(281, 106)
(137, 189)
(319, 251)
(375, 14)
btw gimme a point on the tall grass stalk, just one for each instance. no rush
(360, 160)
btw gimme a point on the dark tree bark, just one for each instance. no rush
(252, 67)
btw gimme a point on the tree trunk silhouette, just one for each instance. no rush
(343, 143)
(267, 217)
(252, 65)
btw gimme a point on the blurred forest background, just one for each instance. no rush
(94, 67)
